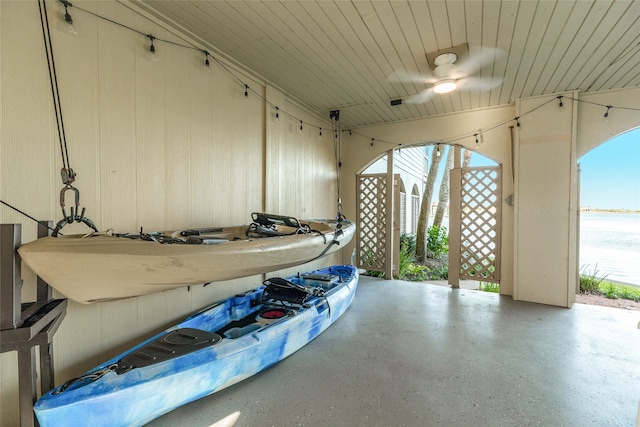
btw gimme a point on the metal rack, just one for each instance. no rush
(25, 326)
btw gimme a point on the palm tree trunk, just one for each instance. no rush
(423, 218)
(443, 195)
(467, 158)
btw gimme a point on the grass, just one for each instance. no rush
(489, 287)
(592, 282)
(617, 290)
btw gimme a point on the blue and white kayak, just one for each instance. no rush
(209, 351)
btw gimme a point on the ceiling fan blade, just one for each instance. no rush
(479, 83)
(419, 98)
(479, 58)
(403, 76)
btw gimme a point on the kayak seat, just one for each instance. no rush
(268, 225)
(257, 230)
(279, 289)
(166, 347)
(271, 219)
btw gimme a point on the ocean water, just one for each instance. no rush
(610, 243)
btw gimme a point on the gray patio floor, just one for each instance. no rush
(414, 354)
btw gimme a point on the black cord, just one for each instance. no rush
(27, 215)
(53, 79)
(278, 110)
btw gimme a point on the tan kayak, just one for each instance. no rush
(104, 266)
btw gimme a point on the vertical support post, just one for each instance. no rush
(457, 156)
(454, 226)
(388, 267)
(573, 268)
(27, 385)
(47, 380)
(44, 291)
(396, 224)
(10, 280)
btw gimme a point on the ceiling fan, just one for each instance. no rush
(452, 69)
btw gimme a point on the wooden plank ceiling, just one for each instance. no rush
(338, 54)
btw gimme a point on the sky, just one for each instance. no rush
(610, 173)
(609, 177)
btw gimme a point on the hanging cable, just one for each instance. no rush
(26, 214)
(234, 74)
(337, 151)
(67, 174)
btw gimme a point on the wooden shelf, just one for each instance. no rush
(25, 326)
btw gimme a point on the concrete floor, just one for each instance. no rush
(410, 354)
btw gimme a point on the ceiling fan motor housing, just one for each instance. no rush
(444, 70)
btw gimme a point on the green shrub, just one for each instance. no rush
(438, 273)
(407, 269)
(404, 263)
(437, 242)
(408, 241)
(415, 273)
(374, 273)
(590, 281)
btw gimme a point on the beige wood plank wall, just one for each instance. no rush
(158, 145)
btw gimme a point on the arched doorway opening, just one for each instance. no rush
(609, 242)
(425, 170)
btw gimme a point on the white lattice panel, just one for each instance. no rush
(480, 224)
(372, 221)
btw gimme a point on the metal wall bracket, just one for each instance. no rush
(25, 326)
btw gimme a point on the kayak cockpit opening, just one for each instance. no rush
(263, 225)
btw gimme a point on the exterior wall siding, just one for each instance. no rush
(159, 145)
